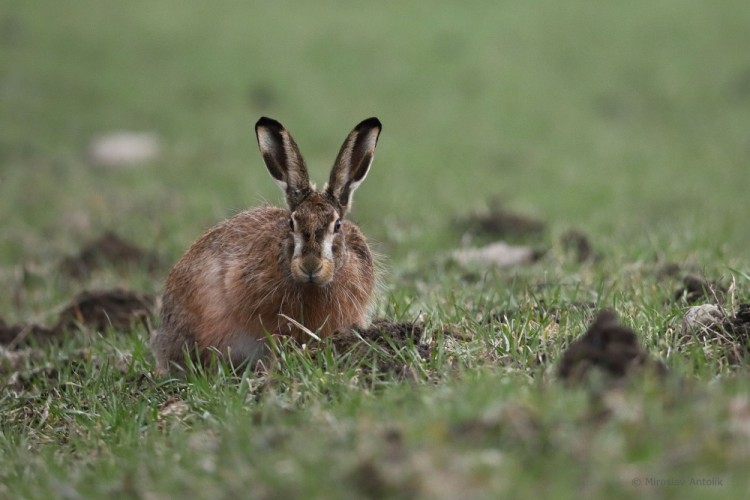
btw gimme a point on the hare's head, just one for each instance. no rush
(316, 245)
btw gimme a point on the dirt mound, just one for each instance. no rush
(607, 346)
(500, 223)
(100, 310)
(739, 325)
(90, 310)
(697, 289)
(108, 251)
(19, 335)
(575, 242)
(668, 270)
(384, 344)
(386, 334)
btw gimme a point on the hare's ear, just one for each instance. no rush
(283, 160)
(353, 162)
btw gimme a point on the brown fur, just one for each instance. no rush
(236, 283)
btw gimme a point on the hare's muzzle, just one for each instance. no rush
(313, 270)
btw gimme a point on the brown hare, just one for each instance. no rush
(268, 270)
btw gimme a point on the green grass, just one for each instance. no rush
(628, 121)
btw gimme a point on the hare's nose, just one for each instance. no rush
(310, 267)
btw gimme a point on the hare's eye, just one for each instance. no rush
(291, 224)
(337, 226)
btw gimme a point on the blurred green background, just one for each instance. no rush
(630, 120)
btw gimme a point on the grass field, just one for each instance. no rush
(627, 122)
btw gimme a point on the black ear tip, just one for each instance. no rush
(369, 123)
(266, 122)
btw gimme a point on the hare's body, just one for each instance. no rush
(241, 290)
(259, 272)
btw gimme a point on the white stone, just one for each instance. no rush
(498, 254)
(124, 149)
(701, 318)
